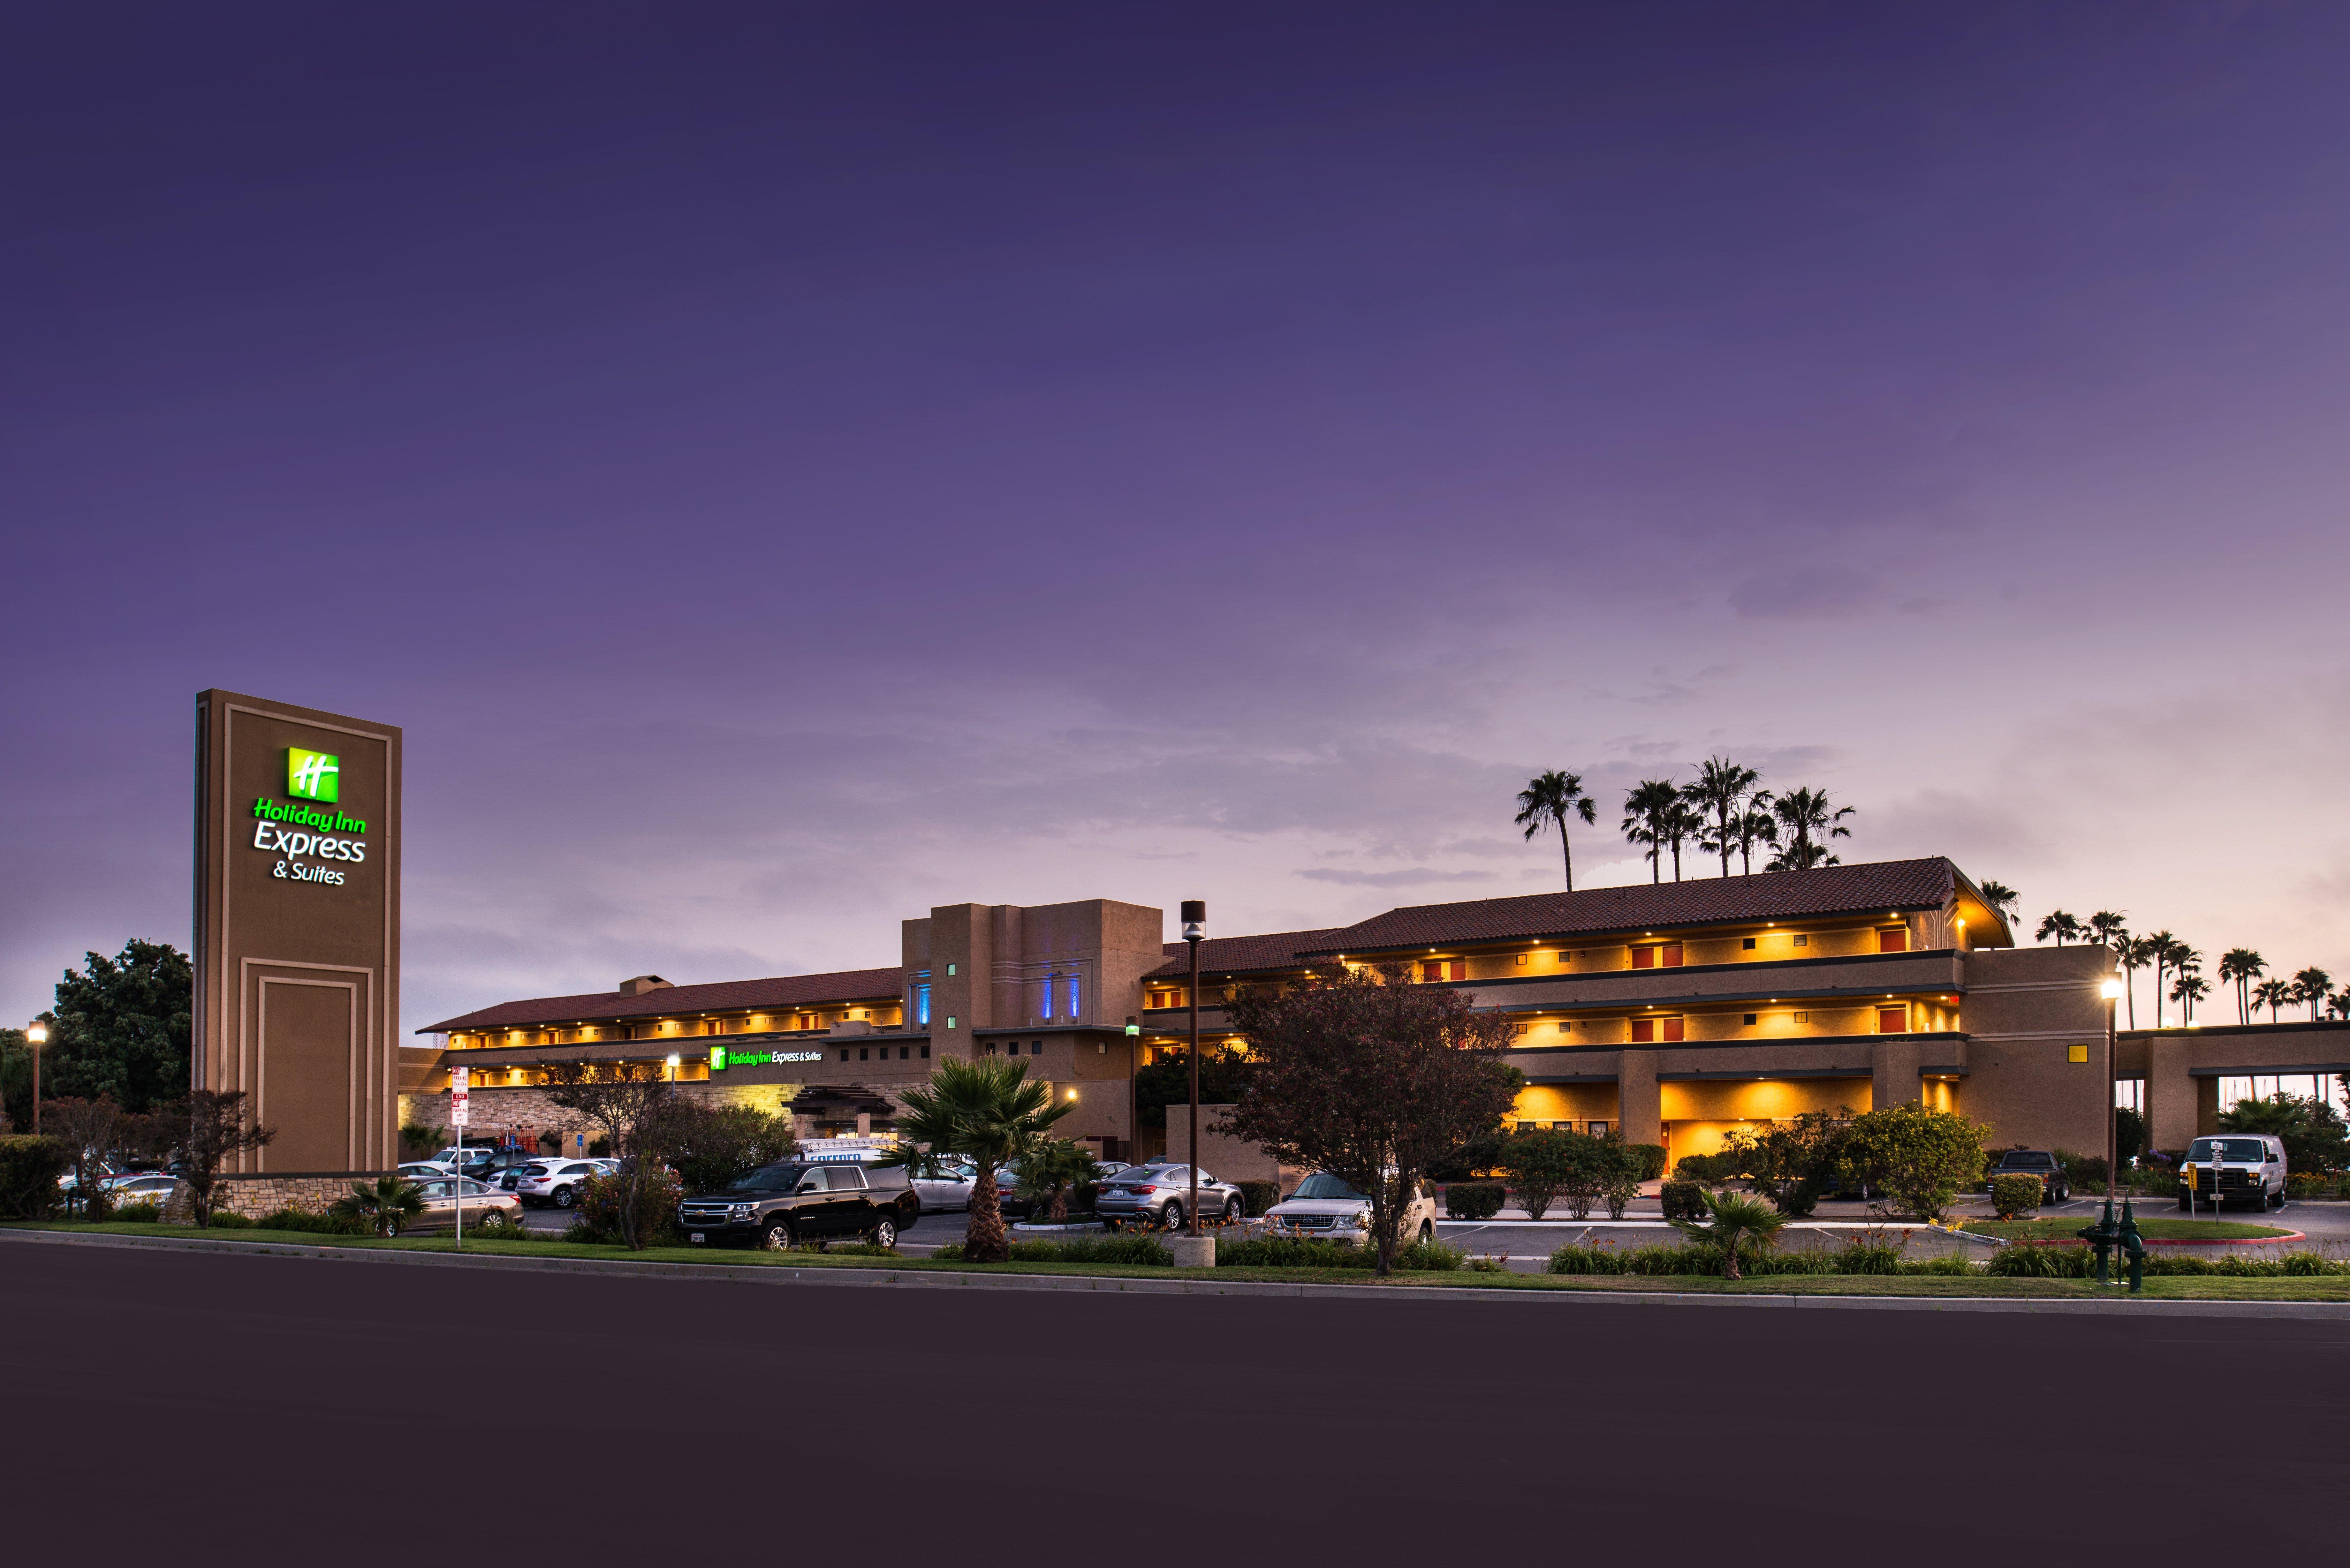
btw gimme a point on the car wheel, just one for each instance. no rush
(1172, 1216)
(1232, 1211)
(1427, 1231)
(885, 1232)
(777, 1236)
(563, 1199)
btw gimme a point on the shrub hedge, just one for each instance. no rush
(1684, 1199)
(304, 1219)
(29, 1169)
(2070, 1262)
(2015, 1196)
(1652, 1159)
(1859, 1257)
(1473, 1199)
(138, 1213)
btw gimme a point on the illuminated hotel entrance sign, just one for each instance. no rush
(722, 1057)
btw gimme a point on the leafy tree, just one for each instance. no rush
(1652, 816)
(1793, 1163)
(1619, 1174)
(122, 1028)
(2312, 986)
(1809, 820)
(1549, 800)
(1223, 1075)
(2239, 967)
(212, 1127)
(1048, 1172)
(29, 1169)
(2313, 1132)
(2129, 1134)
(709, 1146)
(1372, 1078)
(1721, 796)
(2004, 900)
(2274, 995)
(1541, 1164)
(2058, 924)
(1923, 1158)
(1735, 1224)
(989, 1113)
(17, 1078)
(629, 1100)
(384, 1206)
(93, 1132)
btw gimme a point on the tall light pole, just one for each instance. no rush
(1195, 927)
(2111, 991)
(37, 1037)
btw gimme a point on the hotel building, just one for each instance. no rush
(1669, 1012)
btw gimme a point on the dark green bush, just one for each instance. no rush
(1259, 1196)
(2030, 1262)
(1684, 1199)
(305, 1220)
(2011, 1195)
(29, 1169)
(1863, 1256)
(1142, 1250)
(599, 1220)
(138, 1213)
(1293, 1252)
(1652, 1159)
(1473, 1199)
(227, 1219)
(1711, 1170)
(2082, 1172)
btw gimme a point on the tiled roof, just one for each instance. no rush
(1647, 905)
(1234, 955)
(778, 994)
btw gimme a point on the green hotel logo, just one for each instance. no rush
(312, 775)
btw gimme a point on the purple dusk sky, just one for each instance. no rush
(786, 466)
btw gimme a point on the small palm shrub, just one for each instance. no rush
(385, 1206)
(1737, 1225)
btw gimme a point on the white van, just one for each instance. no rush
(2250, 1169)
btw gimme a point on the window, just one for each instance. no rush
(950, 1024)
(1597, 1129)
(991, 1047)
(1522, 958)
(905, 1053)
(1526, 1127)
(864, 1053)
(1658, 955)
(843, 1053)
(1893, 940)
(1753, 1019)
(1747, 943)
(1803, 1018)
(1893, 1020)
(1432, 970)
(950, 968)
(1565, 1027)
(1651, 1031)
(1803, 942)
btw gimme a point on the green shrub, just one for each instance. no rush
(1433, 1257)
(29, 1169)
(1143, 1251)
(1293, 1252)
(138, 1213)
(2014, 1196)
(1957, 1263)
(599, 1219)
(1702, 1168)
(2029, 1263)
(1868, 1254)
(1684, 1199)
(2082, 1172)
(495, 1226)
(865, 1249)
(1259, 1196)
(1473, 1199)
(304, 1219)
(1922, 1157)
(1652, 1159)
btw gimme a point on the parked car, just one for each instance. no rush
(2036, 1162)
(558, 1181)
(948, 1191)
(492, 1164)
(778, 1206)
(443, 1194)
(1325, 1208)
(425, 1170)
(1155, 1194)
(147, 1187)
(2251, 1171)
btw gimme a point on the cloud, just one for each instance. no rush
(1416, 878)
(1814, 593)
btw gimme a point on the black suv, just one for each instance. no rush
(778, 1206)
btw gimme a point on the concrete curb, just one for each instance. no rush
(781, 1274)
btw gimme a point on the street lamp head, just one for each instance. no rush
(2111, 991)
(1195, 918)
(38, 1033)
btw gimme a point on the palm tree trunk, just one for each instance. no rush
(2158, 993)
(1566, 852)
(983, 1241)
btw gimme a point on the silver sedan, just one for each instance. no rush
(1156, 1194)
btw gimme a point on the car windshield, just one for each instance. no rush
(2017, 1159)
(2240, 1151)
(768, 1178)
(1322, 1184)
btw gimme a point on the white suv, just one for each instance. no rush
(1324, 1208)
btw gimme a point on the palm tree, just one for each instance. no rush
(2105, 928)
(2338, 1004)
(1737, 1221)
(2312, 986)
(1758, 824)
(2241, 966)
(2133, 954)
(988, 1113)
(1681, 823)
(2004, 900)
(2272, 994)
(1649, 807)
(2057, 924)
(2159, 946)
(1551, 798)
(1719, 794)
(1048, 1172)
(1806, 815)
(383, 1206)
(2187, 989)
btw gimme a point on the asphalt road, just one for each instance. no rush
(292, 1410)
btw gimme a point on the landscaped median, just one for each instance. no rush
(2159, 1232)
(2330, 1285)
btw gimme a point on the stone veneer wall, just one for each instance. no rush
(528, 1112)
(256, 1196)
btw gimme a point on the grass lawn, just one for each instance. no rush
(2169, 1287)
(2152, 1229)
